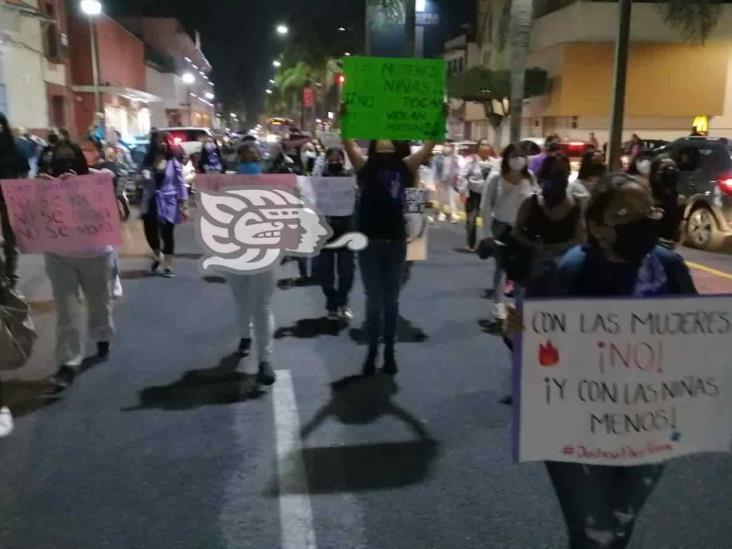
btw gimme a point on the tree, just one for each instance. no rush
(694, 18)
(494, 90)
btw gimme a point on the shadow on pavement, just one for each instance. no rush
(193, 256)
(26, 397)
(289, 283)
(464, 251)
(221, 384)
(406, 332)
(213, 279)
(357, 400)
(134, 274)
(308, 328)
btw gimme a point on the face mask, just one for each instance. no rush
(553, 191)
(335, 167)
(517, 164)
(634, 241)
(643, 167)
(250, 168)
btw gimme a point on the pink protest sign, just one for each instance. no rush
(76, 214)
(218, 182)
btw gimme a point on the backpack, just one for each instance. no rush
(17, 331)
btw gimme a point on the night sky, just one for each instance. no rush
(239, 40)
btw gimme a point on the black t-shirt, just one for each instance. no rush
(13, 162)
(550, 231)
(383, 183)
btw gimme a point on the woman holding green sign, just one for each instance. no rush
(383, 179)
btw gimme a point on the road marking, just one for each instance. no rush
(709, 270)
(296, 513)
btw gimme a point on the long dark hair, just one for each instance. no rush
(6, 139)
(607, 188)
(591, 166)
(514, 148)
(555, 166)
(170, 152)
(402, 149)
(395, 160)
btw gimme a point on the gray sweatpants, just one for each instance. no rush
(93, 275)
(253, 295)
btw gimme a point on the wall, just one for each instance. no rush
(121, 56)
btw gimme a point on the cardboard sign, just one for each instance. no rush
(623, 382)
(217, 182)
(415, 214)
(330, 140)
(334, 196)
(390, 98)
(76, 214)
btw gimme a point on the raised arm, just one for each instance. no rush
(354, 154)
(414, 161)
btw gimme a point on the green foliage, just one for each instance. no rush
(694, 18)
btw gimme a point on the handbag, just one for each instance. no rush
(485, 248)
(17, 330)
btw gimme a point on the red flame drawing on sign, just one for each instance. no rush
(548, 354)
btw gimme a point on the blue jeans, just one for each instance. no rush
(327, 264)
(382, 268)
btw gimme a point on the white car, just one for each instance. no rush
(190, 139)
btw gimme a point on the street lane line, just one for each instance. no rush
(709, 270)
(296, 513)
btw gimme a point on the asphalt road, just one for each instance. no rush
(169, 445)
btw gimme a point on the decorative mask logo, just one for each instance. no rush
(248, 230)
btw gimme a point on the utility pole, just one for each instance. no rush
(621, 74)
(410, 28)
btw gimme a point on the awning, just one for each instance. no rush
(664, 80)
(128, 93)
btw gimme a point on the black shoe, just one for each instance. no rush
(63, 378)
(155, 266)
(103, 350)
(506, 400)
(245, 345)
(390, 365)
(369, 367)
(168, 273)
(266, 375)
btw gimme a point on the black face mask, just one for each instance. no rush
(634, 241)
(553, 191)
(335, 167)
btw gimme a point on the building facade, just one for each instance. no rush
(34, 73)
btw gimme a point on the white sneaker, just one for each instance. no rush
(453, 219)
(6, 422)
(431, 220)
(499, 311)
(441, 217)
(117, 290)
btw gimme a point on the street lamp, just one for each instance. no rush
(189, 79)
(282, 29)
(268, 92)
(210, 96)
(93, 8)
(342, 29)
(276, 64)
(271, 81)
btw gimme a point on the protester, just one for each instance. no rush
(65, 157)
(551, 146)
(384, 178)
(98, 163)
(505, 192)
(664, 180)
(340, 262)
(472, 181)
(601, 503)
(634, 147)
(253, 292)
(46, 156)
(13, 165)
(164, 200)
(594, 142)
(447, 171)
(308, 156)
(90, 271)
(550, 223)
(591, 169)
(640, 167)
(211, 161)
(29, 144)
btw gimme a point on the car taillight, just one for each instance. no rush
(725, 185)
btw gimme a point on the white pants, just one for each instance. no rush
(446, 196)
(253, 295)
(66, 275)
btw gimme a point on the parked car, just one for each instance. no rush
(655, 146)
(189, 139)
(705, 183)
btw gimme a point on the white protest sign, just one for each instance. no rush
(415, 215)
(330, 140)
(334, 196)
(624, 382)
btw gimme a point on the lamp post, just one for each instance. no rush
(92, 9)
(189, 79)
(282, 29)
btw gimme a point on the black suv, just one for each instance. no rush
(705, 183)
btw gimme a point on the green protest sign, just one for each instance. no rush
(389, 98)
